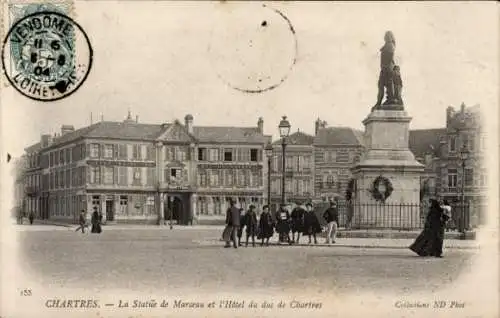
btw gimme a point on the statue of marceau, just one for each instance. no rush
(390, 77)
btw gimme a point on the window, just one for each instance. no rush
(214, 178)
(472, 143)
(51, 159)
(333, 156)
(95, 174)
(228, 155)
(175, 174)
(452, 178)
(136, 152)
(202, 179)
(150, 178)
(61, 179)
(67, 179)
(108, 151)
(61, 156)
(342, 156)
(202, 208)
(330, 181)
(94, 150)
(254, 155)
(108, 175)
(483, 181)
(288, 186)
(96, 202)
(452, 146)
(122, 175)
(68, 155)
(469, 177)
(122, 151)
(202, 154)
(137, 174)
(229, 178)
(213, 154)
(123, 204)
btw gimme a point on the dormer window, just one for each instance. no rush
(452, 143)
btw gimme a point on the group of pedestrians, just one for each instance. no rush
(301, 221)
(96, 222)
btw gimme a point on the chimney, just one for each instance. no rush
(65, 129)
(137, 119)
(260, 125)
(317, 125)
(188, 122)
(462, 108)
(46, 140)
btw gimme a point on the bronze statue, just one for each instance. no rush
(389, 78)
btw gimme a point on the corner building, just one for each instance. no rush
(145, 173)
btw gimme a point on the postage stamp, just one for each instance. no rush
(46, 55)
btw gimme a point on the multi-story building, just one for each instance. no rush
(18, 167)
(32, 181)
(457, 177)
(336, 150)
(299, 170)
(134, 172)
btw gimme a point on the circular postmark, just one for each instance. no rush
(46, 56)
(252, 49)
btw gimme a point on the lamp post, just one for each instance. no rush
(269, 153)
(284, 128)
(464, 155)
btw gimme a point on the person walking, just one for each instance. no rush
(331, 217)
(31, 217)
(430, 241)
(96, 223)
(251, 225)
(297, 222)
(266, 226)
(82, 222)
(311, 223)
(233, 222)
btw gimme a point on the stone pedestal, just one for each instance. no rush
(387, 156)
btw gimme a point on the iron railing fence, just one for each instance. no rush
(402, 217)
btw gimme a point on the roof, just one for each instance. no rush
(33, 148)
(228, 134)
(338, 136)
(129, 130)
(108, 129)
(297, 138)
(424, 141)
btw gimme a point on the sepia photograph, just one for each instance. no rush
(249, 159)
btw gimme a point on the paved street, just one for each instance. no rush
(143, 259)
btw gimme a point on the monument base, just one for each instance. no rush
(388, 176)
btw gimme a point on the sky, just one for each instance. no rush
(163, 60)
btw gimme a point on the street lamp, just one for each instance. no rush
(284, 128)
(269, 153)
(464, 155)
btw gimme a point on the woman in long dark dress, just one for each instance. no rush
(283, 225)
(311, 223)
(430, 241)
(96, 223)
(266, 226)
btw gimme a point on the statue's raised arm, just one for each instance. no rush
(389, 78)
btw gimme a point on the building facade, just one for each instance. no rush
(134, 172)
(299, 170)
(458, 177)
(336, 150)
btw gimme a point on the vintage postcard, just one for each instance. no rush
(249, 159)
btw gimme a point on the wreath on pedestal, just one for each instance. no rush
(376, 194)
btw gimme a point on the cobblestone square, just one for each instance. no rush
(145, 259)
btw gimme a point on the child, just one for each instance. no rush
(398, 85)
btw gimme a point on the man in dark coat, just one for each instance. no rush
(311, 223)
(266, 226)
(242, 225)
(96, 222)
(331, 217)
(297, 222)
(233, 222)
(82, 222)
(31, 217)
(250, 222)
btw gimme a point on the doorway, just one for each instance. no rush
(110, 213)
